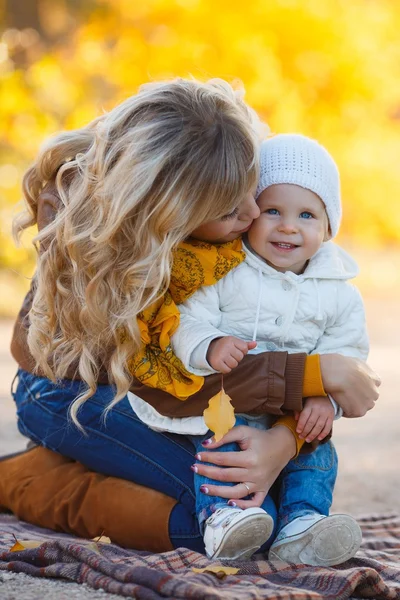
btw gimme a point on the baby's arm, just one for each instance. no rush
(199, 343)
(200, 318)
(347, 335)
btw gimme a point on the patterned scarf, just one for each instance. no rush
(195, 264)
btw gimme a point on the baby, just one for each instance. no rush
(291, 294)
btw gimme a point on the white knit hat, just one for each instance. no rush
(296, 159)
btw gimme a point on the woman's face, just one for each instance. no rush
(229, 227)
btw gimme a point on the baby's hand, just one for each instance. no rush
(316, 418)
(225, 353)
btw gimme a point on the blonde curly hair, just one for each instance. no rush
(133, 184)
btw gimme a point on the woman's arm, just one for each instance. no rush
(272, 382)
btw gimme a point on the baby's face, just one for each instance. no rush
(291, 227)
(231, 226)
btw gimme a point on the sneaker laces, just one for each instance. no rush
(223, 516)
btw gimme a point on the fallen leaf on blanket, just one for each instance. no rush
(220, 414)
(17, 547)
(94, 547)
(102, 539)
(219, 570)
(94, 543)
(25, 545)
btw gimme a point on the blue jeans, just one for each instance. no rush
(124, 447)
(307, 483)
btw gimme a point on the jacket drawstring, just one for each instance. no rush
(319, 316)
(254, 338)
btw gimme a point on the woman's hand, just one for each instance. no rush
(264, 455)
(351, 382)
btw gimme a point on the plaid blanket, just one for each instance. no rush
(373, 574)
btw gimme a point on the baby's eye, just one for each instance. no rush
(306, 215)
(234, 213)
(272, 211)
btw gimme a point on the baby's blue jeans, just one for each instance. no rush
(306, 484)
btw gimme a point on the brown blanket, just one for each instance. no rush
(373, 574)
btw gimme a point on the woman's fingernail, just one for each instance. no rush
(194, 468)
(207, 442)
(204, 489)
(232, 503)
(198, 456)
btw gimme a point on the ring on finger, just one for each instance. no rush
(246, 486)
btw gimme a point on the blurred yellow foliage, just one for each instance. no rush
(329, 69)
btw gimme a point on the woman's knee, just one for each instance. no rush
(184, 529)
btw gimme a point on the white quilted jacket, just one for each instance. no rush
(317, 312)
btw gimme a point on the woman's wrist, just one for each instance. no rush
(333, 371)
(351, 382)
(286, 441)
(290, 423)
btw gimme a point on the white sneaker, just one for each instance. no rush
(233, 533)
(317, 540)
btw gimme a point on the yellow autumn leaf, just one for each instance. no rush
(220, 414)
(25, 545)
(218, 570)
(17, 547)
(29, 544)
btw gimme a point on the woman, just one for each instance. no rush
(112, 201)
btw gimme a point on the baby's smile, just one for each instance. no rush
(284, 246)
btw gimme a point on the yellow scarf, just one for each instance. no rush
(195, 264)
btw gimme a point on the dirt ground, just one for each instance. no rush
(368, 448)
